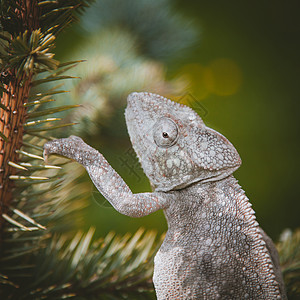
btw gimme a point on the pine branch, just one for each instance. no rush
(25, 50)
(113, 267)
(289, 253)
(38, 259)
(58, 14)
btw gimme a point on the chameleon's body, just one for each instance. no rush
(214, 248)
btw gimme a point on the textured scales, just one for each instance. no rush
(214, 247)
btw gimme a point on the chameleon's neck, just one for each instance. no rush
(226, 188)
(226, 197)
(226, 182)
(222, 200)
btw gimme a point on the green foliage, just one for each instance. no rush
(10, 20)
(58, 14)
(109, 268)
(161, 33)
(289, 252)
(41, 261)
(54, 15)
(42, 256)
(31, 53)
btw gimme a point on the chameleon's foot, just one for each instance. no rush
(62, 147)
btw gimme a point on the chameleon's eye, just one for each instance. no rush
(165, 132)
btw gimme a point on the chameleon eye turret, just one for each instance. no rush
(165, 132)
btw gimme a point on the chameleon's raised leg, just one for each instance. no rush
(106, 179)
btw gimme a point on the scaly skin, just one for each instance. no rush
(214, 247)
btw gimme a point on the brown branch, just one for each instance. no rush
(12, 119)
(11, 125)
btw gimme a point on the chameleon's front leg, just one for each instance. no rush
(105, 178)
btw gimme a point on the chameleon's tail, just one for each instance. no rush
(289, 251)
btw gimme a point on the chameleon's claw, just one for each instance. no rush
(45, 155)
(49, 148)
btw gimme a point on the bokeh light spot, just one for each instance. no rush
(195, 74)
(223, 77)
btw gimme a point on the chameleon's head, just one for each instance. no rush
(173, 144)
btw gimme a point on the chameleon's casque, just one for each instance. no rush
(214, 247)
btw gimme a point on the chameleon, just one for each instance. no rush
(214, 248)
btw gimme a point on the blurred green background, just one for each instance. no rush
(235, 62)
